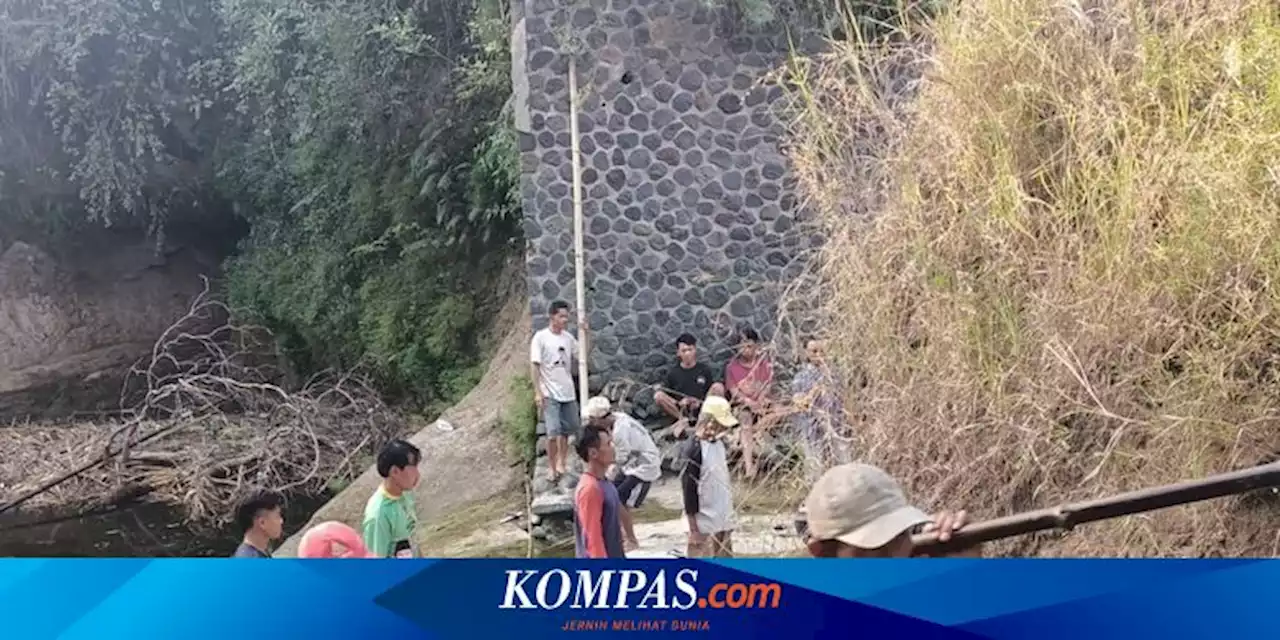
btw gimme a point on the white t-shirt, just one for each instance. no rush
(638, 455)
(554, 354)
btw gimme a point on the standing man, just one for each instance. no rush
(389, 516)
(552, 354)
(705, 484)
(261, 521)
(857, 511)
(638, 463)
(688, 384)
(596, 506)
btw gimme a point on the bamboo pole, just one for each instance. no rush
(1067, 516)
(578, 251)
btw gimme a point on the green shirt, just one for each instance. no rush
(388, 522)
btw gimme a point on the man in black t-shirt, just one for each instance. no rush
(688, 384)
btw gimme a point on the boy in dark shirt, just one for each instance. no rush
(688, 384)
(260, 520)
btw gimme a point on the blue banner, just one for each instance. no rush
(739, 599)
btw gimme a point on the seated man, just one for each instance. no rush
(819, 417)
(638, 463)
(748, 377)
(688, 384)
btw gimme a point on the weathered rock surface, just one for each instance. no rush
(72, 321)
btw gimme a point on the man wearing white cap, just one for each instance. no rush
(705, 483)
(857, 511)
(639, 463)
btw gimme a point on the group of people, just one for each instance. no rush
(852, 509)
(386, 529)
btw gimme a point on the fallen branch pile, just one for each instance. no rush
(207, 419)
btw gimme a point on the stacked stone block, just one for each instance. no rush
(692, 222)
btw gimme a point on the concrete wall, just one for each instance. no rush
(692, 221)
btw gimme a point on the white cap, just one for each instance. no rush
(859, 505)
(597, 407)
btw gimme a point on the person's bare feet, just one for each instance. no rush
(681, 425)
(631, 545)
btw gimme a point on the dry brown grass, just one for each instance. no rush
(1054, 251)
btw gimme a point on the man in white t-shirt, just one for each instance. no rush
(553, 353)
(639, 463)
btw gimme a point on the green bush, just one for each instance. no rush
(377, 227)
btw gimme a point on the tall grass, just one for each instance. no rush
(520, 420)
(1054, 250)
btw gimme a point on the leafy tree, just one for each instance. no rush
(367, 143)
(379, 171)
(108, 110)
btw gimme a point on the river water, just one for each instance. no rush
(147, 530)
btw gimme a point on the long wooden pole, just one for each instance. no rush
(1065, 517)
(578, 251)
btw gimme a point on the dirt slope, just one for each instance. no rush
(461, 467)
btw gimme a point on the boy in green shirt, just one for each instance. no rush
(389, 516)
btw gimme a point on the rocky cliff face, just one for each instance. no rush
(75, 317)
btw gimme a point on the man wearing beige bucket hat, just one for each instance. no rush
(857, 511)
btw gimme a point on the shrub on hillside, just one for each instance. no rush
(1054, 250)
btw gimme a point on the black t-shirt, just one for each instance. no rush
(692, 382)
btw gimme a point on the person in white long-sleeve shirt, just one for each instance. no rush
(639, 463)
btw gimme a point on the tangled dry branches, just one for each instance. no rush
(206, 419)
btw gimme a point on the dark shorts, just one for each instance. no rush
(631, 491)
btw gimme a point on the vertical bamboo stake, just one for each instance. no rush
(579, 269)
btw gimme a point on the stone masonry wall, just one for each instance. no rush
(692, 222)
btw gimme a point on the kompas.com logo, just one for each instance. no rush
(631, 589)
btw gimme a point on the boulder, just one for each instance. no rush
(553, 503)
(569, 481)
(643, 406)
